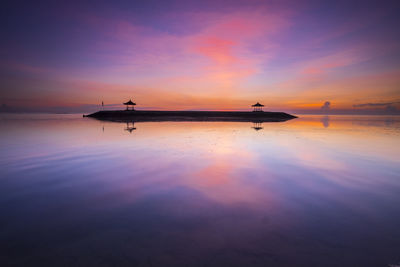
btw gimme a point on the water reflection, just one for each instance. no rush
(325, 121)
(257, 126)
(130, 126)
(296, 193)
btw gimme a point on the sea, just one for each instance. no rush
(312, 191)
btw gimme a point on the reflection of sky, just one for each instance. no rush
(201, 193)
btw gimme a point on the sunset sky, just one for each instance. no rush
(215, 55)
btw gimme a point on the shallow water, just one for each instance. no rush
(314, 191)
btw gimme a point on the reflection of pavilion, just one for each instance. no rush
(257, 126)
(130, 126)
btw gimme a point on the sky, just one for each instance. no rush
(297, 56)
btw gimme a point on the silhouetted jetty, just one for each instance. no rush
(154, 115)
(150, 115)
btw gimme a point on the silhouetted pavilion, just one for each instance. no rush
(257, 107)
(130, 104)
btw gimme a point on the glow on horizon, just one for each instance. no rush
(287, 55)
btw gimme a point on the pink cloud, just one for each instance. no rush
(333, 61)
(218, 50)
(220, 54)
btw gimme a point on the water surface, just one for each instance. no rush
(314, 191)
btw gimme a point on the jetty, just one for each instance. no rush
(130, 114)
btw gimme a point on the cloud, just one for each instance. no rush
(326, 106)
(385, 107)
(215, 57)
(333, 61)
(375, 104)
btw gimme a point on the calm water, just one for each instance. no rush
(315, 191)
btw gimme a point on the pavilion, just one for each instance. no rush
(257, 107)
(130, 105)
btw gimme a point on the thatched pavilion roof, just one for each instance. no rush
(257, 105)
(129, 103)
